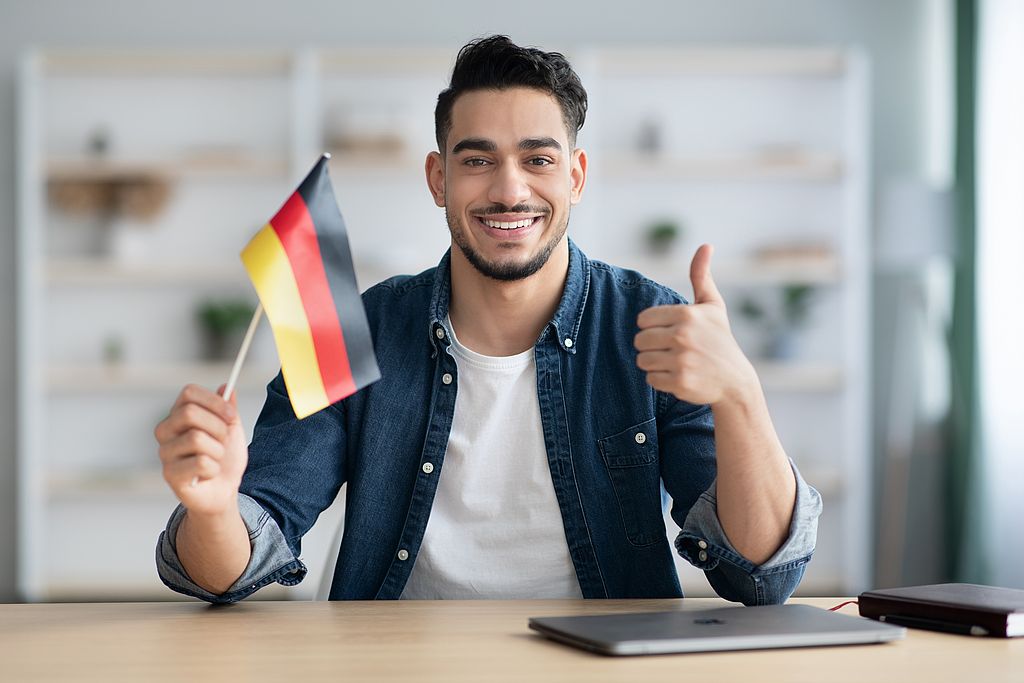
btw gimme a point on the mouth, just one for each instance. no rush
(509, 227)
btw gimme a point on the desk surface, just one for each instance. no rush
(431, 641)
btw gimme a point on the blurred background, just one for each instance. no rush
(857, 164)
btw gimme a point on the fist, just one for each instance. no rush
(202, 449)
(688, 350)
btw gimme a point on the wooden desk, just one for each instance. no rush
(431, 641)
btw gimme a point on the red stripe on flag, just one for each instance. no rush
(294, 227)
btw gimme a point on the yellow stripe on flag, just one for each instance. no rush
(272, 275)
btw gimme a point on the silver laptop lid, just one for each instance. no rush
(725, 628)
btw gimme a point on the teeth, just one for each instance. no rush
(508, 226)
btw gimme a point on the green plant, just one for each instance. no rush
(224, 317)
(796, 303)
(661, 234)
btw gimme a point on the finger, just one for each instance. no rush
(192, 442)
(191, 416)
(180, 473)
(662, 381)
(232, 400)
(193, 393)
(704, 289)
(657, 361)
(656, 339)
(662, 316)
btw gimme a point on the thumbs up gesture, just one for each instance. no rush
(689, 350)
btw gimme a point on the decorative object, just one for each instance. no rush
(113, 350)
(223, 324)
(662, 235)
(784, 322)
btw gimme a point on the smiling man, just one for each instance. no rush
(533, 404)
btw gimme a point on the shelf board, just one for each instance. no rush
(104, 271)
(211, 165)
(99, 63)
(400, 61)
(97, 378)
(721, 61)
(674, 271)
(798, 167)
(107, 486)
(799, 377)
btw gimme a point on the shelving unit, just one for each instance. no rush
(231, 133)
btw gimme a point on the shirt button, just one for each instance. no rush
(428, 467)
(568, 343)
(702, 555)
(702, 544)
(640, 437)
(446, 378)
(403, 554)
(439, 332)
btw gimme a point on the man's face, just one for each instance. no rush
(508, 180)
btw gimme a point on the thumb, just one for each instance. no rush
(232, 401)
(704, 289)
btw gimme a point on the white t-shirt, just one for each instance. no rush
(495, 529)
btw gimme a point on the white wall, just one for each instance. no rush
(892, 32)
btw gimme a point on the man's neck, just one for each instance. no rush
(498, 318)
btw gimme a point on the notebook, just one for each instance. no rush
(724, 628)
(952, 607)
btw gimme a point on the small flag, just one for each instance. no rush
(301, 266)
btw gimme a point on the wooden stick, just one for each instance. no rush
(239, 359)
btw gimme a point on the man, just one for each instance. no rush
(533, 402)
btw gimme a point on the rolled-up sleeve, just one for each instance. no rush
(271, 560)
(703, 543)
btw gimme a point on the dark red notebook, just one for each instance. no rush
(952, 607)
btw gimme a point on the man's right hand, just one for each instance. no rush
(202, 448)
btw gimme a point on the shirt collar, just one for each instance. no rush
(565, 325)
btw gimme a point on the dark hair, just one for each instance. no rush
(496, 63)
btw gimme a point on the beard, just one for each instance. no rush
(507, 270)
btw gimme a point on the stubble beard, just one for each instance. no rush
(509, 270)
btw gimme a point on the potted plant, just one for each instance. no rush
(223, 324)
(782, 328)
(661, 235)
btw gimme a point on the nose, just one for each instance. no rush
(509, 186)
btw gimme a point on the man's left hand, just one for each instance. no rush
(689, 350)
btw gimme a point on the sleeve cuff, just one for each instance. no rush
(270, 561)
(703, 543)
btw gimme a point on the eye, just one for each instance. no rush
(540, 161)
(475, 161)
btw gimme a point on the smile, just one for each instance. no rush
(509, 225)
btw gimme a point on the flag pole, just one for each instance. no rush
(243, 352)
(239, 359)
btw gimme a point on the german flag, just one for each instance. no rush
(301, 266)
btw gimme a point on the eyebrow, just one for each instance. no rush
(485, 145)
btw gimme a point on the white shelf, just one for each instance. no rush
(797, 377)
(672, 270)
(813, 167)
(211, 165)
(165, 63)
(753, 180)
(92, 379)
(105, 485)
(723, 61)
(108, 272)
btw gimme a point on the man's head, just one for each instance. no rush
(496, 63)
(507, 168)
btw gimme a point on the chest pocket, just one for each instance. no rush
(631, 457)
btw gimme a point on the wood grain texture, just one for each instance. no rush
(430, 641)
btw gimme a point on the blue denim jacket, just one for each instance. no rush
(594, 406)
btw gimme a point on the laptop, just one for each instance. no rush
(712, 630)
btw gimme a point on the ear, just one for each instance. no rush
(577, 175)
(434, 168)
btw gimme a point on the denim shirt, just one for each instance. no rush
(612, 442)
